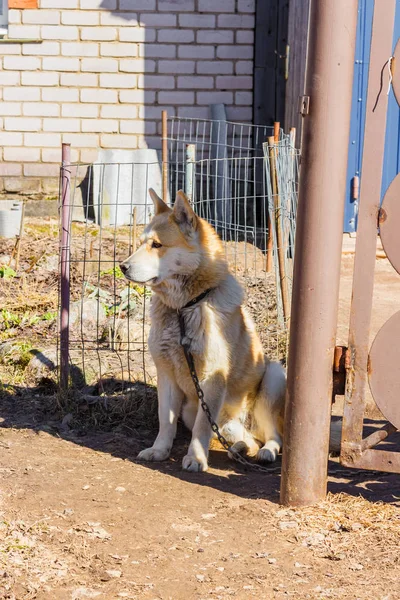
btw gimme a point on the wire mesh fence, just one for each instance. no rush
(239, 191)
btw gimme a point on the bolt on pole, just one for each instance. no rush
(326, 109)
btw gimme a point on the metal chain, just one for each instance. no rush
(224, 442)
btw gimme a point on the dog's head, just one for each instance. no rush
(169, 246)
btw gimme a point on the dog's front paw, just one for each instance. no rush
(153, 454)
(238, 448)
(191, 463)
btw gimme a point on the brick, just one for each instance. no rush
(50, 155)
(43, 49)
(137, 5)
(238, 82)
(79, 17)
(136, 96)
(247, 6)
(23, 186)
(79, 79)
(118, 112)
(197, 21)
(157, 82)
(122, 19)
(118, 141)
(21, 63)
(57, 63)
(118, 49)
(81, 140)
(154, 112)
(196, 82)
(240, 113)
(195, 51)
(42, 140)
(220, 36)
(40, 109)
(41, 79)
(14, 16)
(100, 126)
(99, 4)
(96, 96)
(15, 94)
(139, 65)
(10, 78)
(218, 6)
(79, 49)
(10, 49)
(176, 5)
(59, 94)
(10, 170)
(99, 65)
(214, 97)
(100, 34)
(244, 67)
(58, 4)
(240, 52)
(157, 51)
(118, 80)
(59, 32)
(177, 97)
(22, 154)
(211, 67)
(41, 170)
(10, 138)
(22, 124)
(39, 17)
(10, 109)
(176, 66)
(137, 34)
(157, 20)
(176, 36)
(194, 112)
(236, 21)
(61, 125)
(139, 127)
(244, 98)
(31, 32)
(245, 36)
(89, 155)
(80, 110)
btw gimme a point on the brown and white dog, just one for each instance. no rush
(180, 258)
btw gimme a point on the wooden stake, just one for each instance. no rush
(164, 141)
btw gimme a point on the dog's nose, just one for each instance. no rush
(123, 267)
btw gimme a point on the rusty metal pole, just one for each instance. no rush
(326, 110)
(65, 264)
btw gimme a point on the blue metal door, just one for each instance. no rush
(360, 83)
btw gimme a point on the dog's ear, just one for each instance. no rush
(184, 214)
(159, 205)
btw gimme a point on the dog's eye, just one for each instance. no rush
(156, 245)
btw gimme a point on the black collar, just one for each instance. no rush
(197, 299)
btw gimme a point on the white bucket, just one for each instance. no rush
(121, 179)
(10, 218)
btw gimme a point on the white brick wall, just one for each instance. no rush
(104, 70)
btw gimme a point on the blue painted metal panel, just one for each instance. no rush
(360, 84)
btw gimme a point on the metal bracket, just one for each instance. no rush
(304, 105)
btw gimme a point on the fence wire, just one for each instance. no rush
(238, 191)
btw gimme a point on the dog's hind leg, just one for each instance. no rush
(170, 398)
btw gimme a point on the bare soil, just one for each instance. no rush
(80, 518)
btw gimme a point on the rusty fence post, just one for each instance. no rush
(326, 110)
(164, 153)
(65, 264)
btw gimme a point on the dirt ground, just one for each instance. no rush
(80, 518)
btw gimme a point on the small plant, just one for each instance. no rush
(7, 272)
(113, 271)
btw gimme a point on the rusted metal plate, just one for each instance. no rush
(389, 222)
(396, 72)
(384, 369)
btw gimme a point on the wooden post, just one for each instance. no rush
(164, 135)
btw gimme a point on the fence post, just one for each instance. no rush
(65, 264)
(164, 153)
(190, 159)
(326, 112)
